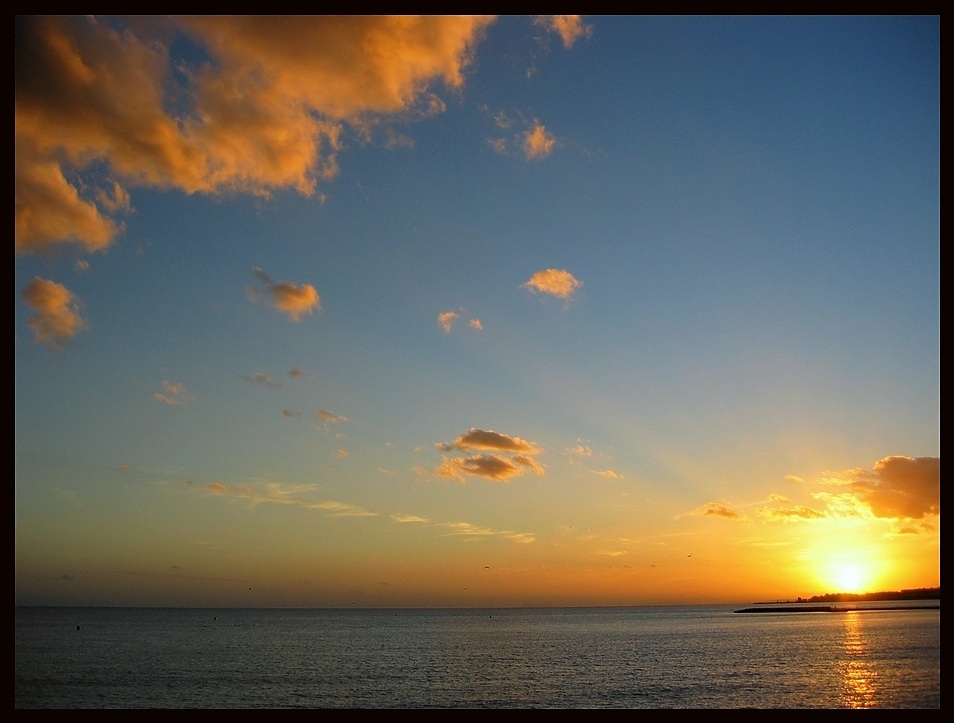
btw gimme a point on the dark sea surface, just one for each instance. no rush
(701, 657)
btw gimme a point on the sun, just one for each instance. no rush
(848, 576)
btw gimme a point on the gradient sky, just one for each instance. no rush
(475, 311)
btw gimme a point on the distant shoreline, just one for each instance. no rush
(831, 608)
(921, 593)
(809, 605)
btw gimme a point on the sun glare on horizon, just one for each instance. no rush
(848, 576)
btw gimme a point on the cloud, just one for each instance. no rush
(293, 300)
(290, 413)
(408, 518)
(717, 509)
(57, 319)
(556, 282)
(294, 495)
(259, 378)
(323, 415)
(537, 143)
(570, 28)
(102, 104)
(490, 466)
(173, 394)
(468, 529)
(488, 439)
(297, 373)
(608, 473)
(446, 320)
(580, 451)
(895, 487)
(798, 512)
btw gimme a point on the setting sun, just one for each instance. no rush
(849, 577)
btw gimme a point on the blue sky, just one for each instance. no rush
(475, 311)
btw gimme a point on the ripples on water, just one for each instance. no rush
(664, 657)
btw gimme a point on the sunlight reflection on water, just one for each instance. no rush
(859, 676)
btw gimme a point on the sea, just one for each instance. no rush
(667, 657)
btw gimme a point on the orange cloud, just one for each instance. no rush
(717, 509)
(264, 108)
(570, 28)
(489, 466)
(323, 415)
(898, 487)
(556, 282)
(446, 320)
(173, 394)
(293, 300)
(537, 142)
(487, 439)
(293, 495)
(57, 319)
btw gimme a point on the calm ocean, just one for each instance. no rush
(641, 657)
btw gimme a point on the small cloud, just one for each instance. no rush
(124, 468)
(798, 512)
(580, 451)
(570, 28)
(408, 518)
(488, 439)
(297, 373)
(717, 509)
(173, 394)
(341, 453)
(81, 265)
(537, 142)
(489, 465)
(259, 378)
(446, 320)
(608, 473)
(292, 495)
(498, 145)
(293, 300)
(556, 282)
(57, 319)
(290, 413)
(323, 415)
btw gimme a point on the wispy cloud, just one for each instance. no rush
(173, 394)
(294, 495)
(323, 415)
(57, 319)
(719, 509)
(467, 529)
(293, 300)
(263, 379)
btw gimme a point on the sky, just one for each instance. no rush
(472, 311)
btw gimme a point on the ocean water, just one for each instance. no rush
(699, 657)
